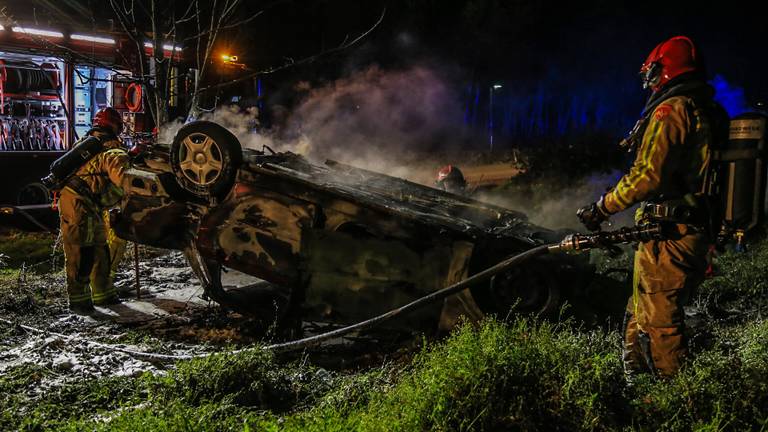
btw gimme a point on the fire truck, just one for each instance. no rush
(52, 82)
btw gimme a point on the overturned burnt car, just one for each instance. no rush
(334, 243)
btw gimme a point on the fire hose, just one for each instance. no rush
(571, 243)
(22, 210)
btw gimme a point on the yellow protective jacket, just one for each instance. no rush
(672, 158)
(103, 174)
(81, 216)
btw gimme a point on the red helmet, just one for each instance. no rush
(110, 119)
(449, 172)
(669, 59)
(451, 179)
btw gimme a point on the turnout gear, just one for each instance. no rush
(674, 141)
(666, 273)
(451, 179)
(82, 204)
(672, 160)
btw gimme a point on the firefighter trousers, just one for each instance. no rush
(88, 260)
(116, 247)
(666, 273)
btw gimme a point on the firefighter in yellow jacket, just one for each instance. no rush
(681, 124)
(93, 189)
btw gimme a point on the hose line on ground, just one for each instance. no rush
(416, 304)
(317, 339)
(22, 210)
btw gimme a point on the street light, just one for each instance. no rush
(230, 61)
(490, 113)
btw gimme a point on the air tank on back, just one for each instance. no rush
(67, 165)
(743, 174)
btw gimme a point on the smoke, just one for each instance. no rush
(374, 119)
(553, 204)
(410, 110)
(405, 123)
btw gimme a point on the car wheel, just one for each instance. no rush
(530, 289)
(33, 193)
(205, 158)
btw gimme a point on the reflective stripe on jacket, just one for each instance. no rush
(104, 174)
(672, 159)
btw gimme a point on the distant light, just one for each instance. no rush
(37, 32)
(496, 86)
(96, 39)
(229, 58)
(165, 47)
(1, 27)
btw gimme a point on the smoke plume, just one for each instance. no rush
(404, 123)
(553, 204)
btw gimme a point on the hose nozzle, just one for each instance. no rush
(608, 239)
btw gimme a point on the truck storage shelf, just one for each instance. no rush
(28, 96)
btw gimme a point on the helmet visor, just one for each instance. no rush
(650, 75)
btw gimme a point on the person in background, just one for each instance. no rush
(451, 179)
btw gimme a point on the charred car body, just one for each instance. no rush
(336, 243)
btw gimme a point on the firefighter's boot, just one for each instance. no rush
(78, 264)
(635, 355)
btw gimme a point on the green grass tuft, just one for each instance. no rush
(521, 375)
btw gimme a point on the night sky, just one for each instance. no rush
(562, 56)
(518, 40)
(564, 67)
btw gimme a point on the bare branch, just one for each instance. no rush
(184, 18)
(237, 23)
(290, 62)
(228, 9)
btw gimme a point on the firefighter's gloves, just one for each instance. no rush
(593, 215)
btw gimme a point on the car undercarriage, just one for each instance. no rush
(333, 242)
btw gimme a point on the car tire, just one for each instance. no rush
(524, 290)
(33, 193)
(205, 158)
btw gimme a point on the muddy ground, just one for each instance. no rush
(169, 317)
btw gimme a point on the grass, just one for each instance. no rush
(520, 375)
(19, 249)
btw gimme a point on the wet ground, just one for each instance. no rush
(170, 317)
(66, 346)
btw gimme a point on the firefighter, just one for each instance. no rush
(451, 179)
(674, 139)
(93, 189)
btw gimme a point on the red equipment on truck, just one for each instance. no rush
(49, 94)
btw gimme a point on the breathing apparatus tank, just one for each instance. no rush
(741, 175)
(67, 165)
